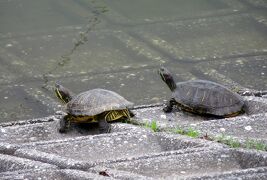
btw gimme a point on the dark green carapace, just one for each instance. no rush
(202, 97)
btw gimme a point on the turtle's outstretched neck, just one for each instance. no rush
(171, 84)
(167, 78)
(63, 93)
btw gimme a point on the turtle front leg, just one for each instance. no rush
(104, 126)
(169, 106)
(131, 113)
(64, 124)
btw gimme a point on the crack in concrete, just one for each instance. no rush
(83, 38)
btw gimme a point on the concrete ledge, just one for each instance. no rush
(51, 174)
(209, 163)
(133, 151)
(85, 152)
(11, 163)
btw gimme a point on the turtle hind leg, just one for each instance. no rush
(104, 126)
(169, 106)
(64, 124)
(131, 113)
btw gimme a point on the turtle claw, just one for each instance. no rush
(62, 130)
(131, 114)
(167, 109)
(64, 124)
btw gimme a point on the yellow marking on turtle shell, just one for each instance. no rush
(84, 119)
(114, 115)
(233, 114)
(110, 116)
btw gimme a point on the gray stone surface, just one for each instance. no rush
(48, 174)
(87, 151)
(119, 45)
(103, 44)
(11, 163)
(185, 165)
(128, 152)
(249, 126)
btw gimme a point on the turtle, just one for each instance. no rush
(93, 106)
(202, 97)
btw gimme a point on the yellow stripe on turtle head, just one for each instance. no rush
(58, 94)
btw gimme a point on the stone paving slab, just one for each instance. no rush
(128, 152)
(11, 163)
(36, 131)
(242, 128)
(211, 41)
(206, 39)
(257, 3)
(86, 152)
(250, 126)
(129, 49)
(240, 70)
(6, 74)
(177, 10)
(18, 103)
(197, 164)
(61, 13)
(251, 173)
(48, 174)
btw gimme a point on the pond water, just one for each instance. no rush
(120, 44)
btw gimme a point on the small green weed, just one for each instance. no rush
(249, 143)
(190, 132)
(252, 144)
(152, 125)
(179, 131)
(228, 141)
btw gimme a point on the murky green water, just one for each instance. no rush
(119, 45)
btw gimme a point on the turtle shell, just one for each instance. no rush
(206, 97)
(96, 101)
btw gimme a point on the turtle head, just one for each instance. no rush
(167, 77)
(63, 93)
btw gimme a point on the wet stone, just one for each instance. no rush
(7, 76)
(205, 39)
(57, 57)
(16, 21)
(169, 10)
(125, 83)
(257, 3)
(248, 71)
(18, 104)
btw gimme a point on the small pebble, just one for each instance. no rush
(248, 128)
(163, 116)
(222, 129)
